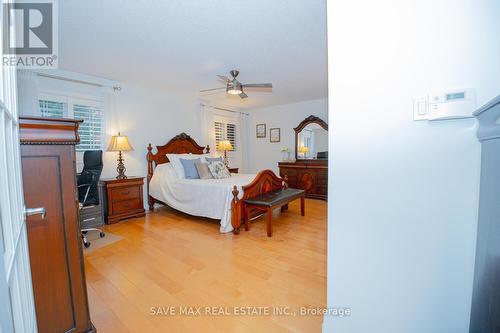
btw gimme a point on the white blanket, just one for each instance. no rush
(200, 197)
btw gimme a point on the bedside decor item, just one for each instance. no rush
(260, 130)
(123, 199)
(225, 145)
(274, 135)
(120, 143)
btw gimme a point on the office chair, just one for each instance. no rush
(88, 187)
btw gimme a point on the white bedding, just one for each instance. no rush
(200, 197)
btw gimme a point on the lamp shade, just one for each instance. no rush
(119, 143)
(225, 145)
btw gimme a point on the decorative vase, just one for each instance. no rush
(284, 156)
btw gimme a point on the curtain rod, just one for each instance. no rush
(222, 109)
(62, 78)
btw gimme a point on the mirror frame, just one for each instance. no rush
(309, 120)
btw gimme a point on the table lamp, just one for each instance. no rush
(304, 150)
(120, 143)
(225, 145)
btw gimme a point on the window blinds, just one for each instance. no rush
(225, 131)
(90, 130)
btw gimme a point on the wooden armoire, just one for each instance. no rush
(56, 258)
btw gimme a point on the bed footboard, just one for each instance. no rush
(265, 181)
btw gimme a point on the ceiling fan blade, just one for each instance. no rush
(258, 85)
(243, 95)
(204, 90)
(223, 78)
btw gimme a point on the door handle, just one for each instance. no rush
(35, 211)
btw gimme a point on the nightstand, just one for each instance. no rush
(233, 170)
(124, 198)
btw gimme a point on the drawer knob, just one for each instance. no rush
(125, 192)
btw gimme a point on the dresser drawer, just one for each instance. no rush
(125, 193)
(127, 205)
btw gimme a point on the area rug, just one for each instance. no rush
(96, 242)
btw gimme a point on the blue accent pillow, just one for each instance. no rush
(190, 168)
(213, 159)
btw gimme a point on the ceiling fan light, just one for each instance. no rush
(234, 91)
(234, 88)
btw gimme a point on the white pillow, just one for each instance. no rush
(166, 170)
(177, 165)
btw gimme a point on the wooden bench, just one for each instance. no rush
(266, 193)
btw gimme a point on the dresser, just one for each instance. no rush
(55, 247)
(308, 175)
(309, 171)
(124, 198)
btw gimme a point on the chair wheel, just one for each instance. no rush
(102, 234)
(86, 244)
(84, 232)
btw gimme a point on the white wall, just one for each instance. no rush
(404, 194)
(147, 116)
(265, 155)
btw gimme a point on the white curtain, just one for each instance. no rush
(244, 142)
(207, 127)
(27, 93)
(111, 127)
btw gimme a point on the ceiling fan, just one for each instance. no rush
(235, 87)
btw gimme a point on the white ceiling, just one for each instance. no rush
(180, 45)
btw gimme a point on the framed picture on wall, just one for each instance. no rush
(260, 130)
(274, 135)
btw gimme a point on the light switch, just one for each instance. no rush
(420, 108)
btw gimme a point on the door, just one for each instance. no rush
(17, 310)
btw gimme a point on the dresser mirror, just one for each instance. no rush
(311, 139)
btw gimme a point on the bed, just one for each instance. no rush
(219, 199)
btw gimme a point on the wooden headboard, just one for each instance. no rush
(179, 144)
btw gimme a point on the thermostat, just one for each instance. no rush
(453, 104)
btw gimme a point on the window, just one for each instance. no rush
(90, 111)
(228, 127)
(91, 129)
(53, 109)
(225, 131)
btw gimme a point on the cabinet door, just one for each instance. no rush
(54, 242)
(314, 181)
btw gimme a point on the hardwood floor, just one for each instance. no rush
(169, 259)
